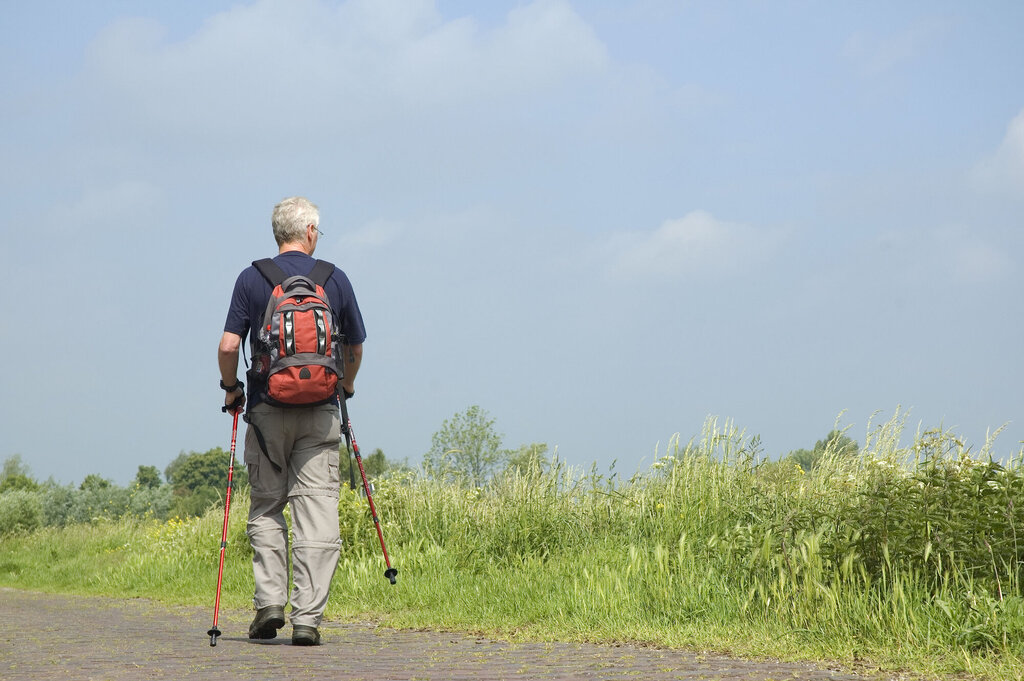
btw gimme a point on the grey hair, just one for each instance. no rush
(291, 217)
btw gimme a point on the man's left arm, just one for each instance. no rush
(350, 321)
(353, 357)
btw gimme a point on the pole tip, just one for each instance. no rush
(391, 573)
(213, 633)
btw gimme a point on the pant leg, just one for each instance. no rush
(267, 529)
(314, 484)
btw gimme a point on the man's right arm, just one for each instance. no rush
(227, 360)
(236, 326)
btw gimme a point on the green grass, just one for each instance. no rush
(903, 558)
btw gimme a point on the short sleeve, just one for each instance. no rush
(238, 321)
(350, 319)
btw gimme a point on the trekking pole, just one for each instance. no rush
(350, 440)
(214, 632)
(351, 471)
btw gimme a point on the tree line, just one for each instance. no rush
(467, 450)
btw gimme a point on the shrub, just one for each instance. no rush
(196, 502)
(151, 502)
(20, 511)
(99, 499)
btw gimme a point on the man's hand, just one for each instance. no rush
(348, 389)
(234, 400)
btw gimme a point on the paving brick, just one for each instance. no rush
(49, 637)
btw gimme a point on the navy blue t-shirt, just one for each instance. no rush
(252, 293)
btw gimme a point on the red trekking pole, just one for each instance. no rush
(350, 439)
(214, 632)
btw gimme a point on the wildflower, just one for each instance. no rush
(660, 506)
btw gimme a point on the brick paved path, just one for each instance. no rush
(46, 636)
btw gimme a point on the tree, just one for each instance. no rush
(189, 472)
(466, 449)
(16, 475)
(94, 482)
(148, 477)
(13, 465)
(835, 443)
(529, 460)
(19, 482)
(376, 463)
(200, 479)
(805, 458)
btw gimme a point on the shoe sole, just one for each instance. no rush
(306, 639)
(268, 630)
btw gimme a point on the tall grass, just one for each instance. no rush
(903, 557)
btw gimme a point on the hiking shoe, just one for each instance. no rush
(268, 620)
(303, 635)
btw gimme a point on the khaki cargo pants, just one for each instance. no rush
(299, 468)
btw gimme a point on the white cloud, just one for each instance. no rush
(697, 243)
(1003, 171)
(285, 68)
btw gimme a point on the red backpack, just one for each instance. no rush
(297, 348)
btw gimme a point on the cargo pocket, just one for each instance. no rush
(252, 453)
(334, 468)
(254, 477)
(253, 457)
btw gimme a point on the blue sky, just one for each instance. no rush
(602, 222)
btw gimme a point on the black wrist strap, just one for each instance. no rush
(237, 386)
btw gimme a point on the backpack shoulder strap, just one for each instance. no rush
(270, 271)
(321, 272)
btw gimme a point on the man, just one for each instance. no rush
(291, 452)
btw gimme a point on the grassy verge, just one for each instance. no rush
(901, 558)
